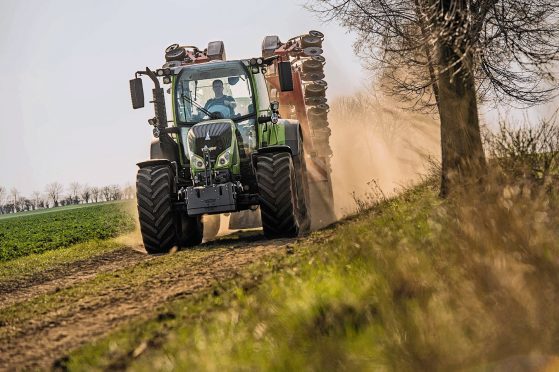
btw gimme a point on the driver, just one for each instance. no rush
(221, 99)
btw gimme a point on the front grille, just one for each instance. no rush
(217, 136)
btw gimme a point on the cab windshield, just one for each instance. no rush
(218, 87)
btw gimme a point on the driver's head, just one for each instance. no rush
(217, 86)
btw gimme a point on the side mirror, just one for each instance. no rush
(285, 76)
(137, 93)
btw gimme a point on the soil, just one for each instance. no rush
(66, 275)
(38, 343)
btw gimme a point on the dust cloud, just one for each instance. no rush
(378, 148)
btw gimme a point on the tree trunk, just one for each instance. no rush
(463, 159)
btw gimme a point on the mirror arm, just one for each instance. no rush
(151, 75)
(153, 78)
(158, 98)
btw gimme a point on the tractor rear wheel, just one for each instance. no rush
(303, 191)
(282, 215)
(157, 220)
(191, 230)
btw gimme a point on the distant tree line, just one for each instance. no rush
(56, 195)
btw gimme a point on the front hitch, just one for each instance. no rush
(208, 165)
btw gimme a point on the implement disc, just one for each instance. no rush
(311, 41)
(312, 101)
(312, 51)
(313, 76)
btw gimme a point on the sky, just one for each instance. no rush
(64, 68)
(65, 104)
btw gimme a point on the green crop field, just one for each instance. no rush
(40, 232)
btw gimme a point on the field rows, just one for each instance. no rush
(39, 232)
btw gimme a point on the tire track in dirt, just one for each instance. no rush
(39, 342)
(65, 275)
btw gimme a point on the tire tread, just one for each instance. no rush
(153, 185)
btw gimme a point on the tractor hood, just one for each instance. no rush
(211, 144)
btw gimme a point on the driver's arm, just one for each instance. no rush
(230, 101)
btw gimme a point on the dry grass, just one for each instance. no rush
(525, 151)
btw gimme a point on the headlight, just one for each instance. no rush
(197, 162)
(223, 159)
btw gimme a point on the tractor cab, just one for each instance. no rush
(220, 88)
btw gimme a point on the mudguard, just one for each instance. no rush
(289, 138)
(164, 147)
(275, 148)
(293, 138)
(152, 162)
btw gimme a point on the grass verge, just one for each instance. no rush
(414, 283)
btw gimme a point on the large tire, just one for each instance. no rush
(303, 191)
(280, 207)
(157, 220)
(192, 230)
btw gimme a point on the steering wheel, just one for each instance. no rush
(222, 109)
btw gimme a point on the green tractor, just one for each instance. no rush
(227, 150)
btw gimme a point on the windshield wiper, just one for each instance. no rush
(198, 106)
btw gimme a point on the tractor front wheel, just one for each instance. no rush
(155, 212)
(162, 227)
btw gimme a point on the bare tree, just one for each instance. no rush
(95, 193)
(9, 207)
(14, 193)
(450, 54)
(68, 200)
(2, 196)
(74, 192)
(86, 193)
(25, 204)
(128, 191)
(525, 151)
(116, 192)
(107, 192)
(36, 195)
(53, 192)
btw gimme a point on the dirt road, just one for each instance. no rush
(64, 307)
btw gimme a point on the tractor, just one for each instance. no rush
(247, 137)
